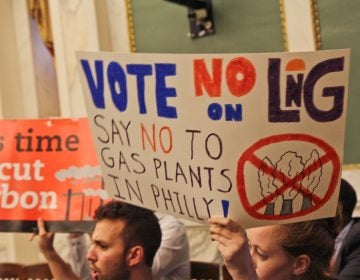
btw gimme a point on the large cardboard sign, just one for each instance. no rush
(257, 137)
(48, 169)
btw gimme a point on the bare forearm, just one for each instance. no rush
(250, 275)
(59, 268)
(233, 245)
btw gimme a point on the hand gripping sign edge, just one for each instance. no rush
(330, 156)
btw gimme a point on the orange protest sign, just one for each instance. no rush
(48, 169)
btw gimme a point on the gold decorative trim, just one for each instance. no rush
(315, 24)
(351, 166)
(283, 25)
(39, 11)
(130, 21)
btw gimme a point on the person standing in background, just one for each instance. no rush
(346, 258)
(172, 260)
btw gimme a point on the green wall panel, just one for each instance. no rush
(254, 26)
(241, 26)
(339, 22)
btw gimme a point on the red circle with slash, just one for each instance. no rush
(330, 156)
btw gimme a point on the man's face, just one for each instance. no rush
(107, 256)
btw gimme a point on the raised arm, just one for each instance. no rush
(233, 245)
(59, 268)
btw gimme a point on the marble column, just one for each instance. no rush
(17, 79)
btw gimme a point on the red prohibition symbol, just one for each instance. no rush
(249, 158)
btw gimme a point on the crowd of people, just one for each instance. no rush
(129, 242)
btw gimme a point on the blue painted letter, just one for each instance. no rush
(97, 89)
(140, 70)
(162, 92)
(117, 76)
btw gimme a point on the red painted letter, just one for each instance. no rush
(202, 78)
(240, 76)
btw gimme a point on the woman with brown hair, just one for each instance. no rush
(281, 252)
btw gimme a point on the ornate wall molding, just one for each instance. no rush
(130, 23)
(316, 24)
(300, 25)
(353, 166)
(39, 11)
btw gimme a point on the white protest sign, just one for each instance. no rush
(256, 137)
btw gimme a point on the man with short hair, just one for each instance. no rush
(125, 240)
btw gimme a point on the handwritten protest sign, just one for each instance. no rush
(256, 137)
(48, 169)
